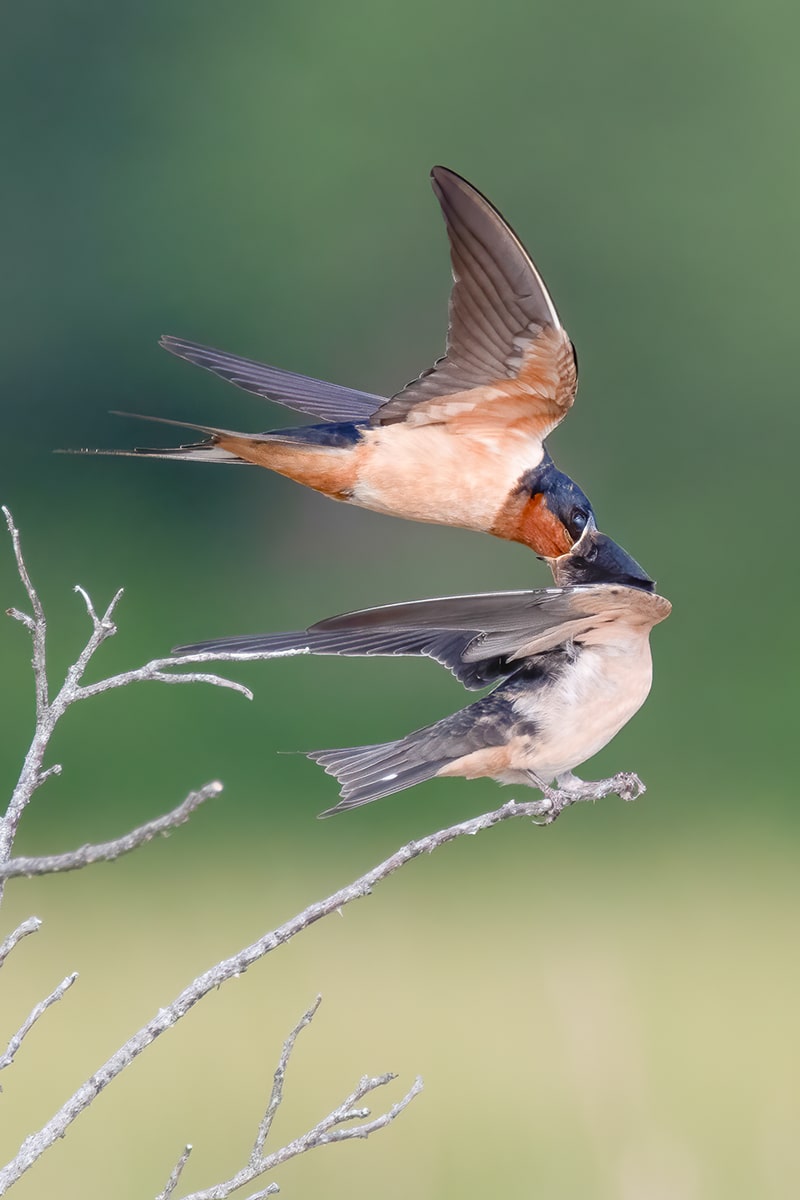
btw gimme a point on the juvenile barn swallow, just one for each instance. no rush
(461, 445)
(573, 665)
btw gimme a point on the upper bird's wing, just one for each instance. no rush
(330, 401)
(508, 358)
(478, 638)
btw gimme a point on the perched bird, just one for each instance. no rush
(461, 445)
(571, 664)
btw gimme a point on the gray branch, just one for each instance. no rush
(29, 1022)
(36, 624)
(175, 1176)
(30, 925)
(543, 811)
(278, 1080)
(84, 856)
(49, 712)
(325, 1132)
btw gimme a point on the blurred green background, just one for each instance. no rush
(606, 1008)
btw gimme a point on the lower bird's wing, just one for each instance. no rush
(443, 646)
(478, 638)
(329, 401)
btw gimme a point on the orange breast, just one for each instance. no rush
(431, 473)
(527, 519)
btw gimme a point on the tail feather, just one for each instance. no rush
(199, 452)
(322, 437)
(368, 773)
(206, 451)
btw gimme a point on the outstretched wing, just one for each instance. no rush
(443, 646)
(508, 358)
(478, 638)
(329, 401)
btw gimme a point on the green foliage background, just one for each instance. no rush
(606, 1008)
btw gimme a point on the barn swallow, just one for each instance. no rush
(461, 445)
(571, 664)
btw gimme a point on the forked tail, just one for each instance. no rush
(368, 773)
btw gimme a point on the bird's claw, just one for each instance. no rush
(554, 801)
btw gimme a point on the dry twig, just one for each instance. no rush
(29, 925)
(33, 775)
(325, 1132)
(29, 1022)
(230, 968)
(49, 712)
(84, 856)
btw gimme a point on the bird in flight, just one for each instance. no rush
(570, 666)
(463, 444)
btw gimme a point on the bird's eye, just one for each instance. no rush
(577, 522)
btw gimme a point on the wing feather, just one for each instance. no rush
(504, 338)
(330, 401)
(478, 638)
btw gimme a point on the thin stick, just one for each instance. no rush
(230, 968)
(29, 1022)
(84, 856)
(49, 712)
(326, 1131)
(276, 1095)
(30, 925)
(177, 1171)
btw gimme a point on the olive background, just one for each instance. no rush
(603, 1008)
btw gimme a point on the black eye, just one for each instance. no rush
(577, 521)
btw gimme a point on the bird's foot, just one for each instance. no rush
(554, 800)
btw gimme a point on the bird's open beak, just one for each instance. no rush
(595, 558)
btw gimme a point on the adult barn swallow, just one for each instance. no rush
(461, 445)
(572, 665)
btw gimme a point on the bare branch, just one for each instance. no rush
(49, 712)
(160, 671)
(276, 1096)
(26, 620)
(108, 851)
(28, 1024)
(36, 624)
(30, 925)
(325, 1132)
(177, 1171)
(344, 1113)
(103, 628)
(104, 624)
(544, 810)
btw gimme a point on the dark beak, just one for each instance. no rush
(595, 558)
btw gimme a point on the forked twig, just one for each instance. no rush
(50, 711)
(325, 1132)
